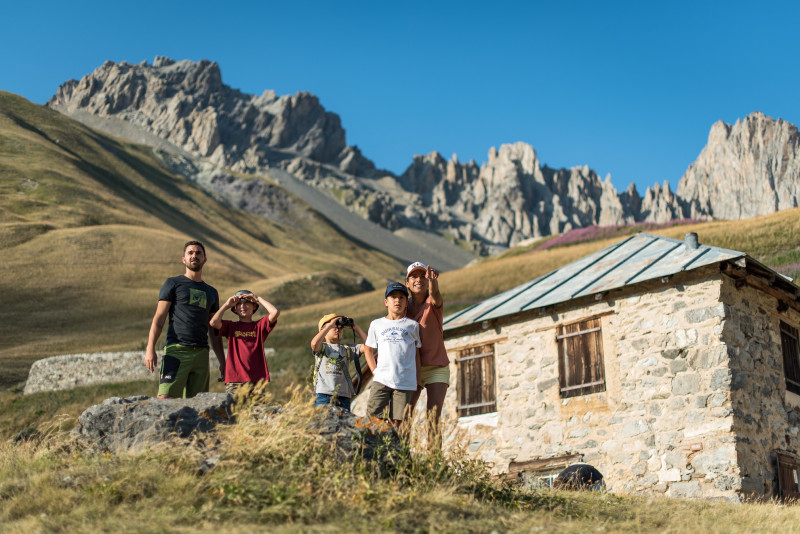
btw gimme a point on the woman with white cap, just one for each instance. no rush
(425, 307)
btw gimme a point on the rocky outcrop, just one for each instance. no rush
(348, 435)
(186, 103)
(134, 423)
(747, 169)
(74, 370)
(512, 197)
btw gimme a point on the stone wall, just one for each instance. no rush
(664, 422)
(768, 417)
(74, 370)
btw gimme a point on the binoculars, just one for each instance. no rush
(344, 321)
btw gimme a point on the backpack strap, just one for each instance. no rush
(318, 357)
(359, 374)
(344, 364)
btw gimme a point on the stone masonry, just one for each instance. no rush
(665, 422)
(766, 416)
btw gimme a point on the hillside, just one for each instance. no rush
(91, 225)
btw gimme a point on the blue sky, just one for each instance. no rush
(630, 89)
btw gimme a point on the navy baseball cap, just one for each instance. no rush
(396, 286)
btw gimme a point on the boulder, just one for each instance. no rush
(348, 434)
(133, 423)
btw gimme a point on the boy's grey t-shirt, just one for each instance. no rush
(333, 375)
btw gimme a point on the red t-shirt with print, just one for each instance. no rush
(246, 361)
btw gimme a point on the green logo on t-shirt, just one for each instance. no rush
(197, 297)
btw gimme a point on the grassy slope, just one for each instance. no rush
(278, 476)
(90, 227)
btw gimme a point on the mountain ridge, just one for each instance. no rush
(746, 169)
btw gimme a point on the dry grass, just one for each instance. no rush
(36, 411)
(280, 476)
(90, 226)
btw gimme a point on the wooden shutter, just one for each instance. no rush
(476, 380)
(581, 369)
(791, 357)
(788, 477)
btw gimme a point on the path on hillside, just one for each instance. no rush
(432, 249)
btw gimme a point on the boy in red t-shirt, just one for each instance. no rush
(245, 363)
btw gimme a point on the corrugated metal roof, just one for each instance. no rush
(635, 259)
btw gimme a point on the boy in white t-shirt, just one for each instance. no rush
(396, 338)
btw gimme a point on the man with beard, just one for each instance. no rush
(189, 303)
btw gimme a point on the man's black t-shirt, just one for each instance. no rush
(193, 305)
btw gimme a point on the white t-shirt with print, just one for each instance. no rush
(397, 342)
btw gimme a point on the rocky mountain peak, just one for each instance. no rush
(187, 104)
(746, 169)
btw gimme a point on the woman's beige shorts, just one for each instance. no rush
(433, 374)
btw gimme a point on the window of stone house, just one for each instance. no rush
(580, 358)
(791, 357)
(476, 380)
(788, 476)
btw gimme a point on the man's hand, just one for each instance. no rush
(221, 373)
(150, 360)
(160, 317)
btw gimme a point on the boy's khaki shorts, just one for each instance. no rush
(184, 371)
(382, 397)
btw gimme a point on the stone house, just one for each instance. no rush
(672, 367)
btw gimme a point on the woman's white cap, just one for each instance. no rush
(414, 266)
